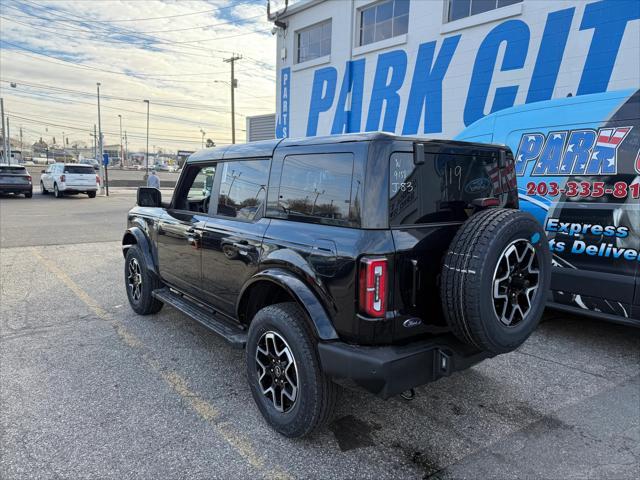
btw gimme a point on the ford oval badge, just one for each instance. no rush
(478, 185)
(411, 322)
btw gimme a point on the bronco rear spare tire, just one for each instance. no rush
(495, 278)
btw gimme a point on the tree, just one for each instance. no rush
(210, 143)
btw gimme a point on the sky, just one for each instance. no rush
(169, 52)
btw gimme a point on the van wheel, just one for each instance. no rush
(495, 279)
(43, 190)
(140, 282)
(56, 193)
(293, 394)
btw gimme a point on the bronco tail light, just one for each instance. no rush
(373, 286)
(63, 178)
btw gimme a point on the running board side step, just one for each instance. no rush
(233, 334)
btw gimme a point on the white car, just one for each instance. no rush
(72, 178)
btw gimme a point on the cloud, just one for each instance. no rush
(170, 52)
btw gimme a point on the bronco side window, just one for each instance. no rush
(243, 189)
(195, 190)
(317, 188)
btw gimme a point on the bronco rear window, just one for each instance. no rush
(86, 169)
(441, 188)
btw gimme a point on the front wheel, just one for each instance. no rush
(140, 282)
(293, 394)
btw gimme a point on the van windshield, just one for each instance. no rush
(439, 190)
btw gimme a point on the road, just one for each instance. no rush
(89, 389)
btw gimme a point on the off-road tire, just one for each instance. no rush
(317, 394)
(467, 281)
(43, 190)
(146, 304)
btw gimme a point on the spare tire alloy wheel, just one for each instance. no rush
(277, 371)
(515, 282)
(134, 279)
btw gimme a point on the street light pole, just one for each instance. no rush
(8, 158)
(146, 155)
(203, 134)
(121, 151)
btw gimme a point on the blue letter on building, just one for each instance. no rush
(426, 88)
(324, 81)
(608, 19)
(384, 93)
(348, 121)
(516, 34)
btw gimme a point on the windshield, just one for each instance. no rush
(79, 169)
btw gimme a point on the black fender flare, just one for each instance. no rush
(145, 246)
(301, 292)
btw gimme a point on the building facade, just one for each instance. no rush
(434, 67)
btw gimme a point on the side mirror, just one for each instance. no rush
(42, 171)
(149, 197)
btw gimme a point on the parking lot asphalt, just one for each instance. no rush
(91, 390)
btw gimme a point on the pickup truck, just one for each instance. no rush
(371, 260)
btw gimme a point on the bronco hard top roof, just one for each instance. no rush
(265, 148)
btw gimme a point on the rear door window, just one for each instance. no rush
(318, 188)
(243, 189)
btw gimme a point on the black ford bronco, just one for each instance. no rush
(375, 260)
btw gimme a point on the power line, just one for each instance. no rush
(155, 18)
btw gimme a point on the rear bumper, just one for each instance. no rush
(389, 370)
(13, 188)
(78, 188)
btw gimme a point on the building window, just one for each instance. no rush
(313, 42)
(465, 8)
(384, 20)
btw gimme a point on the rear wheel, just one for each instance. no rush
(56, 193)
(43, 190)
(495, 279)
(140, 282)
(28, 194)
(293, 394)
(91, 194)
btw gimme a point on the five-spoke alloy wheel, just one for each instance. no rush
(134, 279)
(277, 371)
(515, 282)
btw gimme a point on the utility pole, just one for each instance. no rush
(234, 84)
(4, 136)
(21, 146)
(203, 134)
(126, 145)
(121, 150)
(8, 158)
(95, 142)
(100, 144)
(146, 155)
